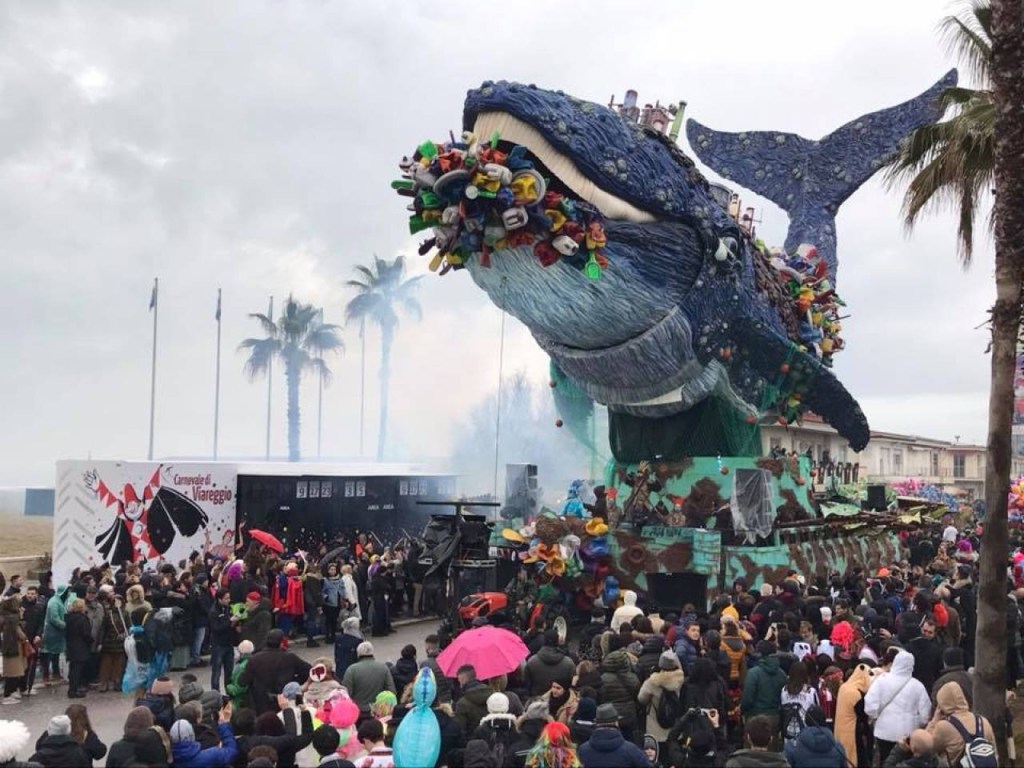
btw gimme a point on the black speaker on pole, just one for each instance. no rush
(876, 498)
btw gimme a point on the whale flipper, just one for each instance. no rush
(811, 179)
(821, 391)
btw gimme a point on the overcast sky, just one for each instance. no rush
(250, 144)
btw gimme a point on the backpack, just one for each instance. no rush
(696, 740)
(792, 720)
(669, 709)
(979, 752)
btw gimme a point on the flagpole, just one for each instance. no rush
(154, 304)
(320, 394)
(216, 390)
(362, 383)
(270, 370)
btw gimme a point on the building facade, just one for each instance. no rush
(956, 468)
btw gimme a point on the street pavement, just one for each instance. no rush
(107, 711)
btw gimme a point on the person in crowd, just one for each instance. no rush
(554, 749)
(54, 642)
(405, 669)
(607, 748)
(927, 650)
(378, 754)
(240, 693)
(367, 677)
(626, 612)
(78, 641)
(13, 643)
(762, 690)
(201, 603)
(432, 647)
(620, 686)
(852, 728)
(954, 725)
(666, 681)
(562, 702)
(797, 697)
(347, 643)
(82, 732)
(123, 751)
(271, 731)
(333, 601)
(916, 752)
(471, 706)
(688, 645)
(581, 726)
(353, 602)
(897, 703)
(14, 739)
(758, 733)
(498, 729)
(815, 746)
(953, 672)
(58, 748)
(313, 600)
(326, 741)
(189, 754)
(222, 627)
(258, 620)
(94, 612)
(270, 670)
(549, 665)
(160, 701)
(113, 633)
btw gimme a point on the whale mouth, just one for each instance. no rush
(512, 129)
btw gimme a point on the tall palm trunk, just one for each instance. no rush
(1008, 89)
(387, 336)
(293, 376)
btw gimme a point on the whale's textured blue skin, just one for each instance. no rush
(656, 324)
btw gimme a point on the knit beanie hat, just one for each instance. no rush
(497, 704)
(59, 726)
(537, 710)
(246, 648)
(211, 704)
(182, 731)
(162, 686)
(586, 710)
(668, 660)
(138, 720)
(189, 692)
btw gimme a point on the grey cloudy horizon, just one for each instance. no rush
(249, 145)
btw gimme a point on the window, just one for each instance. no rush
(775, 442)
(959, 465)
(897, 462)
(935, 464)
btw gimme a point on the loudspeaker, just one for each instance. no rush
(876, 498)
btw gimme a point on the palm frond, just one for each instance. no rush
(261, 353)
(359, 285)
(412, 306)
(369, 275)
(268, 325)
(363, 306)
(324, 337)
(320, 368)
(968, 36)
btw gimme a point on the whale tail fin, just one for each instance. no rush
(811, 179)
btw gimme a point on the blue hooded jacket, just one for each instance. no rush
(189, 754)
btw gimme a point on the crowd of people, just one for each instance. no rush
(871, 667)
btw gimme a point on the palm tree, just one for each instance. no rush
(299, 338)
(981, 147)
(951, 163)
(381, 292)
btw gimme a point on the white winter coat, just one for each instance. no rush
(352, 594)
(625, 613)
(897, 702)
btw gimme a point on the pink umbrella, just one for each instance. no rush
(491, 651)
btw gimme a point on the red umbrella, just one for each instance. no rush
(492, 651)
(268, 540)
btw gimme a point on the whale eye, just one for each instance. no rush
(732, 245)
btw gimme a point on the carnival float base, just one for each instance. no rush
(682, 531)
